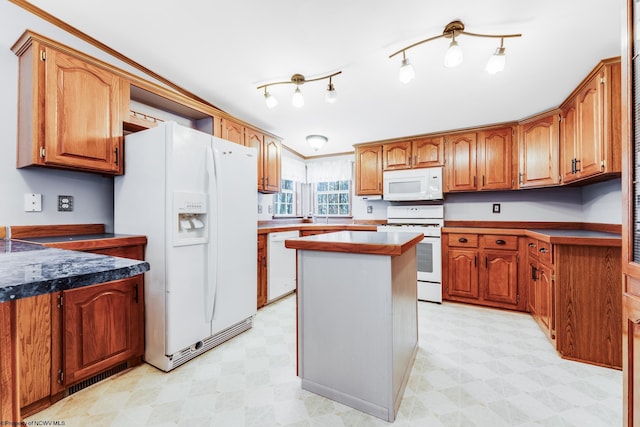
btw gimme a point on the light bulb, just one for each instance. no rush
(297, 100)
(406, 73)
(270, 100)
(496, 61)
(331, 96)
(453, 57)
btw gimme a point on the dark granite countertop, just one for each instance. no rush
(28, 269)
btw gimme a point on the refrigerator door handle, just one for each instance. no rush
(211, 284)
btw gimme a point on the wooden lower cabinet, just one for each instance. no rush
(541, 283)
(77, 335)
(480, 271)
(588, 304)
(103, 327)
(262, 270)
(575, 296)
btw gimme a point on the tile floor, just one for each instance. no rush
(475, 367)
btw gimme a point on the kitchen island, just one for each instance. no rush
(357, 317)
(28, 270)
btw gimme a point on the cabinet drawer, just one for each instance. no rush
(463, 240)
(499, 241)
(545, 252)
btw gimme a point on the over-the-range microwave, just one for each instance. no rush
(412, 184)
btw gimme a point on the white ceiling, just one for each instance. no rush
(222, 50)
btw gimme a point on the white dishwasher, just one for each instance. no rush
(281, 268)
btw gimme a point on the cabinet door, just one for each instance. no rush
(34, 331)
(396, 155)
(232, 131)
(590, 121)
(84, 108)
(271, 165)
(255, 139)
(499, 276)
(568, 142)
(369, 170)
(545, 299)
(462, 273)
(539, 152)
(461, 162)
(495, 151)
(428, 152)
(532, 278)
(103, 326)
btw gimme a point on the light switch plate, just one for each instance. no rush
(496, 208)
(32, 202)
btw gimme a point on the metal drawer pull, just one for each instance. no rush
(544, 250)
(500, 242)
(532, 245)
(463, 240)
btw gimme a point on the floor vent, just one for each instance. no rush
(189, 353)
(96, 378)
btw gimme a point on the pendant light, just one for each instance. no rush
(497, 61)
(454, 56)
(297, 100)
(406, 73)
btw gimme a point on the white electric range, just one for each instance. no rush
(428, 220)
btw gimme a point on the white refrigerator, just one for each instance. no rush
(194, 196)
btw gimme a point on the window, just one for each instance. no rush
(333, 197)
(285, 201)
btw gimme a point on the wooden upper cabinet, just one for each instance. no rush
(255, 139)
(538, 151)
(369, 170)
(232, 131)
(568, 141)
(495, 159)
(396, 155)
(269, 154)
(70, 112)
(271, 163)
(591, 125)
(419, 153)
(428, 152)
(460, 168)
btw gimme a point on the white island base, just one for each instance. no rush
(357, 327)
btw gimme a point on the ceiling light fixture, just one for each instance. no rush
(454, 56)
(316, 141)
(297, 100)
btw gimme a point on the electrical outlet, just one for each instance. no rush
(269, 209)
(369, 209)
(259, 209)
(496, 208)
(65, 203)
(32, 202)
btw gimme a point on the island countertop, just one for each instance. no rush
(360, 242)
(28, 269)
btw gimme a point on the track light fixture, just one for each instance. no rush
(454, 56)
(297, 100)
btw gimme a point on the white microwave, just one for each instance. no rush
(412, 184)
